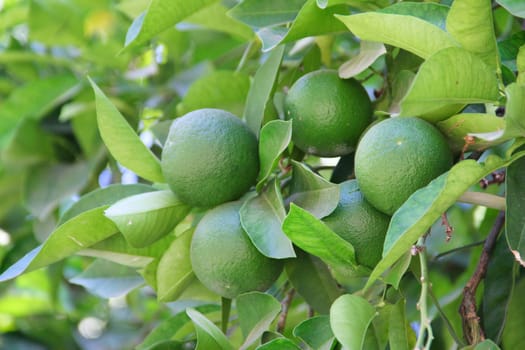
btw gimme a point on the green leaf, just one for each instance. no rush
(451, 77)
(484, 345)
(261, 218)
(279, 344)
(498, 287)
(76, 234)
(457, 127)
(107, 279)
(256, 312)
(515, 200)
(515, 111)
(166, 330)
(274, 139)
(209, 336)
(315, 332)
(398, 327)
(159, 16)
(260, 92)
(470, 23)
(350, 316)
(174, 272)
(426, 205)
(427, 11)
(261, 14)
(311, 278)
(220, 89)
(407, 32)
(101, 197)
(215, 17)
(146, 217)
(42, 190)
(520, 64)
(123, 142)
(313, 236)
(513, 335)
(515, 7)
(312, 192)
(369, 52)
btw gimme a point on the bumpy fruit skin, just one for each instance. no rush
(359, 223)
(223, 257)
(210, 157)
(398, 156)
(328, 113)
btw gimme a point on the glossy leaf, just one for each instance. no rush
(515, 111)
(144, 218)
(428, 11)
(103, 196)
(279, 344)
(261, 218)
(459, 126)
(43, 192)
(123, 142)
(261, 14)
(76, 234)
(515, 7)
(259, 94)
(315, 332)
(220, 89)
(514, 219)
(369, 52)
(209, 336)
(166, 330)
(470, 23)
(313, 236)
(274, 139)
(407, 32)
(312, 192)
(451, 77)
(427, 204)
(312, 279)
(159, 16)
(256, 311)
(107, 279)
(174, 272)
(350, 316)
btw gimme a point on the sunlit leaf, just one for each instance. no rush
(426, 205)
(209, 336)
(312, 192)
(515, 7)
(470, 23)
(350, 316)
(144, 218)
(451, 77)
(123, 142)
(428, 11)
(261, 218)
(260, 91)
(256, 312)
(279, 344)
(275, 137)
(368, 53)
(407, 32)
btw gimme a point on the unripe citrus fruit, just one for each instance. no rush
(328, 113)
(210, 157)
(396, 157)
(223, 257)
(359, 223)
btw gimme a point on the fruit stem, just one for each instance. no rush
(424, 326)
(225, 310)
(484, 199)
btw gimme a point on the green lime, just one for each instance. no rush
(223, 257)
(359, 223)
(396, 157)
(328, 113)
(210, 157)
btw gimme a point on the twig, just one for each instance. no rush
(425, 330)
(285, 307)
(471, 326)
(448, 228)
(464, 247)
(485, 199)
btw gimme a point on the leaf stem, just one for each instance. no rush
(425, 330)
(225, 313)
(285, 307)
(484, 199)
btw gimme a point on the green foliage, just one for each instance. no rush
(98, 251)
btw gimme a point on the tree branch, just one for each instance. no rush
(471, 326)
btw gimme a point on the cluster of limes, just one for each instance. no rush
(210, 159)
